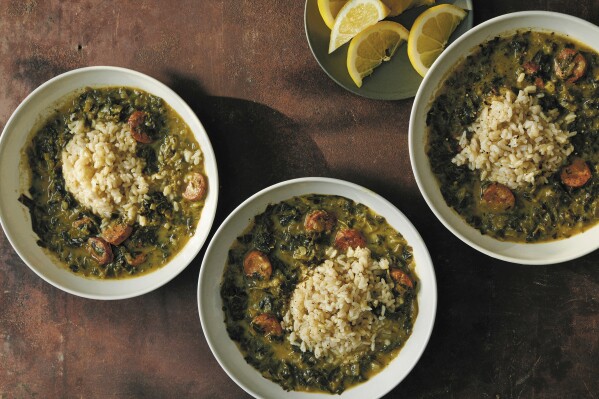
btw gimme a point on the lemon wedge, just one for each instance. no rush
(329, 10)
(399, 6)
(430, 34)
(353, 18)
(372, 46)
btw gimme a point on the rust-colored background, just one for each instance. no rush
(244, 66)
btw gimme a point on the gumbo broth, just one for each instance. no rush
(562, 77)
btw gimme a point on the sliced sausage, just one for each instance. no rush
(347, 238)
(268, 325)
(99, 250)
(498, 198)
(135, 260)
(319, 221)
(539, 83)
(570, 65)
(138, 130)
(577, 174)
(401, 277)
(196, 188)
(117, 233)
(84, 221)
(257, 264)
(530, 67)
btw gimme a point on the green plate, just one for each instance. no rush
(393, 80)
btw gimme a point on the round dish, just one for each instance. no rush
(525, 253)
(15, 217)
(395, 79)
(210, 303)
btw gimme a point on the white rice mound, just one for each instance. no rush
(513, 142)
(102, 171)
(330, 312)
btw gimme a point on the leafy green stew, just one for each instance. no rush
(290, 255)
(513, 137)
(117, 182)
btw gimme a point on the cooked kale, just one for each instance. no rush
(546, 211)
(279, 233)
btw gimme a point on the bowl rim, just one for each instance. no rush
(425, 259)
(419, 102)
(207, 150)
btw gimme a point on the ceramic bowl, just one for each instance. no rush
(393, 80)
(524, 253)
(210, 303)
(15, 217)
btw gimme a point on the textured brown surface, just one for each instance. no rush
(502, 330)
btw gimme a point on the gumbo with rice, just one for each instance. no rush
(319, 293)
(513, 137)
(117, 183)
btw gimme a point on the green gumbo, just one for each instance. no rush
(272, 260)
(562, 78)
(114, 224)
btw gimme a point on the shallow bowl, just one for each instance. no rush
(393, 80)
(15, 218)
(524, 253)
(210, 303)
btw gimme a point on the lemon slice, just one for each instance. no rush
(353, 18)
(430, 34)
(399, 6)
(329, 10)
(372, 46)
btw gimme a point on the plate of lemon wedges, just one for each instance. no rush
(382, 49)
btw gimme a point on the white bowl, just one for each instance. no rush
(15, 217)
(210, 304)
(525, 253)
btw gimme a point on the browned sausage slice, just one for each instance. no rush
(498, 198)
(319, 221)
(400, 277)
(577, 174)
(82, 222)
(257, 264)
(135, 260)
(136, 125)
(196, 188)
(117, 233)
(570, 64)
(539, 83)
(268, 325)
(347, 238)
(99, 250)
(530, 67)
